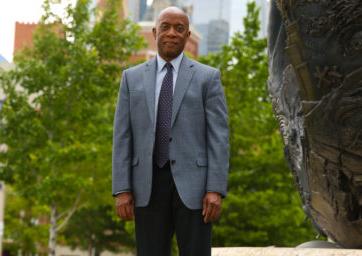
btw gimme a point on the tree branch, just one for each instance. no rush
(68, 214)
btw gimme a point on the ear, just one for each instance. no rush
(189, 33)
(154, 33)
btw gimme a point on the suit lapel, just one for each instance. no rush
(182, 83)
(149, 81)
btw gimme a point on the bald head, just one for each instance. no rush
(173, 10)
(171, 32)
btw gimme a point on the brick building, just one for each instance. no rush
(24, 35)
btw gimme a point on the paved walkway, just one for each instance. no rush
(272, 251)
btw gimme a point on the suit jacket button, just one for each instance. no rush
(170, 139)
(173, 162)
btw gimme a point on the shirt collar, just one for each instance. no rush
(176, 62)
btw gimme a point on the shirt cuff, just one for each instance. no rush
(121, 191)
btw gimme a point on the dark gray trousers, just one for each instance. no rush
(166, 215)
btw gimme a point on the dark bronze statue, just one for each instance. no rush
(315, 82)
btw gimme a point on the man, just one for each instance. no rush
(170, 146)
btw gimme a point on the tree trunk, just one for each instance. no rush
(90, 248)
(53, 231)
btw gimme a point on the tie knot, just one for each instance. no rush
(168, 65)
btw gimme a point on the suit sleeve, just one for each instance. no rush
(122, 142)
(217, 136)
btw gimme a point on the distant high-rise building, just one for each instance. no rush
(4, 65)
(206, 10)
(218, 35)
(212, 19)
(203, 29)
(134, 7)
(263, 16)
(143, 9)
(2, 59)
(215, 34)
(158, 5)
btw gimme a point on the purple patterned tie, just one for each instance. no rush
(164, 113)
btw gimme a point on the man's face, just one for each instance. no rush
(171, 34)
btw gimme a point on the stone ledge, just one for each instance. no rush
(273, 251)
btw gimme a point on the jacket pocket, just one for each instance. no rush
(135, 161)
(201, 161)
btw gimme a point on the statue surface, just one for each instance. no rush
(315, 82)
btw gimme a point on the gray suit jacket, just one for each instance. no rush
(199, 149)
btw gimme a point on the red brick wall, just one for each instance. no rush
(23, 35)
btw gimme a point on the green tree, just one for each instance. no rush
(97, 229)
(57, 119)
(22, 225)
(262, 207)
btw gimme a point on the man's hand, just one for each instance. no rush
(125, 205)
(211, 208)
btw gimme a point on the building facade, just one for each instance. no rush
(211, 18)
(4, 66)
(134, 9)
(264, 6)
(23, 35)
(218, 35)
(24, 31)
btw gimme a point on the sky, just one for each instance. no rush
(31, 10)
(28, 11)
(11, 11)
